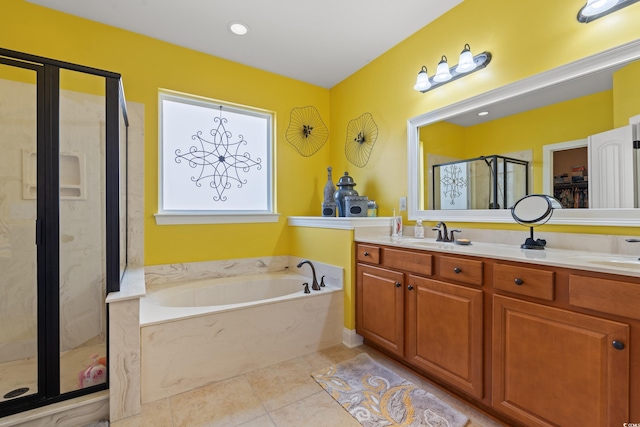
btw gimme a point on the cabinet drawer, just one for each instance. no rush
(367, 253)
(461, 270)
(413, 262)
(606, 296)
(524, 281)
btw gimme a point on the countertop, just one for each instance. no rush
(589, 261)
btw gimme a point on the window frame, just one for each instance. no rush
(170, 217)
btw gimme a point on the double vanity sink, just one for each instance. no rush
(514, 331)
(594, 261)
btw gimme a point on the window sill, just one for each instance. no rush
(194, 218)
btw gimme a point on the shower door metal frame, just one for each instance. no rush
(47, 222)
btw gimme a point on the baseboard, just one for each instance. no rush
(350, 338)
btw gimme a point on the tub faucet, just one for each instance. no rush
(314, 284)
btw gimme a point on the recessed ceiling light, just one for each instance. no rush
(238, 28)
(483, 113)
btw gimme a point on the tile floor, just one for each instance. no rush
(282, 395)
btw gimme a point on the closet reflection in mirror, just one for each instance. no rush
(600, 110)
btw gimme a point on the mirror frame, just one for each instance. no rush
(628, 217)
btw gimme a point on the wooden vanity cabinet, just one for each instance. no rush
(380, 307)
(444, 332)
(434, 325)
(532, 344)
(554, 367)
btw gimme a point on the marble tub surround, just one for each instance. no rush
(183, 351)
(169, 274)
(157, 276)
(567, 250)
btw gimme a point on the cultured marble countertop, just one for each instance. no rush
(590, 261)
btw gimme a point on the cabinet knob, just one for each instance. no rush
(518, 281)
(457, 270)
(410, 287)
(618, 345)
(398, 284)
(366, 254)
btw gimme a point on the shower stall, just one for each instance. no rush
(63, 133)
(486, 182)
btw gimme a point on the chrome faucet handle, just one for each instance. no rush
(453, 239)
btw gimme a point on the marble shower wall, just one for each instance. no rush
(81, 211)
(17, 230)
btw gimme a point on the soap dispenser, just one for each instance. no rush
(418, 230)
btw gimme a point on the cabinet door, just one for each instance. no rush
(444, 332)
(553, 367)
(380, 307)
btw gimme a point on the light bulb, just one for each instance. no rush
(442, 72)
(422, 82)
(593, 7)
(466, 62)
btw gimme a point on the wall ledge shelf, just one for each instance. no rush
(338, 223)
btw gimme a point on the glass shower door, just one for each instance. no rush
(82, 276)
(18, 250)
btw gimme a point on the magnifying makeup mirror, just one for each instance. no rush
(533, 210)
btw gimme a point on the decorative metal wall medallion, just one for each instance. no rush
(361, 136)
(452, 182)
(219, 161)
(306, 132)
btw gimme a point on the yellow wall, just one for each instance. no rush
(565, 121)
(626, 94)
(525, 37)
(147, 65)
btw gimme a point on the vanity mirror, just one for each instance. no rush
(582, 84)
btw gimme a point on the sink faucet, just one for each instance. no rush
(314, 284)
(443, 235)
(633, 241)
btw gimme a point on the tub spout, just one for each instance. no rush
(314, 284)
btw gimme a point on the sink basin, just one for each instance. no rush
(617, 262)
(610, 261)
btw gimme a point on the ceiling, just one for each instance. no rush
(321, 42)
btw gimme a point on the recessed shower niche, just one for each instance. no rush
(72, 176)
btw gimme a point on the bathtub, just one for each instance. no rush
(193, 333)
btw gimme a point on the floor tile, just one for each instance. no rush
(318, 410)
(330, 356)
(282, 384)
(476, 418)
(226, 403)
(264, 421)
(156, 414)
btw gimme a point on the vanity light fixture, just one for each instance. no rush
(595, 9)
(444, 74)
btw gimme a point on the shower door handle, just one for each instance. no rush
(38, 231)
